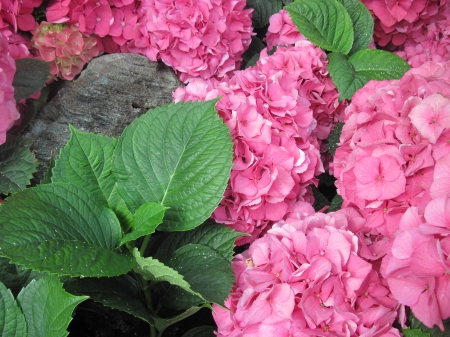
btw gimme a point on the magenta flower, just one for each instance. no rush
(389, 152)
(8, 111)
(65, 47)
(278, 113)
(305, 278)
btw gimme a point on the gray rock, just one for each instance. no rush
(109, 94)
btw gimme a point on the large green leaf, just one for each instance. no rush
(362, 24)
(263, 10)
(47, 307)
(206, 270)
(60, 228)
(86, 160)
(16, 277)
(343, 74)
(379, 64)
(17, 164)
(324, 22)
(121, 292)
(216, 236)
(154, 271)
(30, 77)
(12, 321)
(145, 221)
(177, 155)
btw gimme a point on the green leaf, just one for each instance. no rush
(17, 164)
(30, 77)
(145, 221)
(325, 23)
(263, 10)
(16, 277)
(175, 298)
(251, 55)
(47, 307)
(60, 228)
(333, 138)
(435, 331)
(177, 155)
(414, 333)
(86, 160)
(12, 321)
(216, 236)
(344, 75)
(153, 270)
(206, 270)
(201, 331)
(379, 64)
(336, 204)
(121, 292)
(320, 201)
(163, 323)
(362, 24)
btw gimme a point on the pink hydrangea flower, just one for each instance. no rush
(201, 38)
(396, 20)
(279, 113)
(430, 41)
(8, 110)
(65, 47)
(282, 31)
(417, 266)
(305, 277)
(389, 146)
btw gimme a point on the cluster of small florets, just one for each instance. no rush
(304, 277)
(278, 112)
(396, 20)
(8, 110)
(395, 134)
(431, 42)
(65, 47)
(202, 38)
(17, 15)
(393, 165)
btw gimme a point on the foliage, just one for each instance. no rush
(342, 28)
(17, 165)
(169, 179)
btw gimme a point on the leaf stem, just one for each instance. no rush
(144, 244)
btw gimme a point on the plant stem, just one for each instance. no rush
(144, 245)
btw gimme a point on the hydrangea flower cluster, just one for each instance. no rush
(65, 47)
(431, 42)
(8, 110)
(417, 265)
(394, 134)
(278, 113)
(17, 15)
(282, 31)
(202, 38)
(304, 278)
(396, 20)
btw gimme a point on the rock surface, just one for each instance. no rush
(109, 94)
